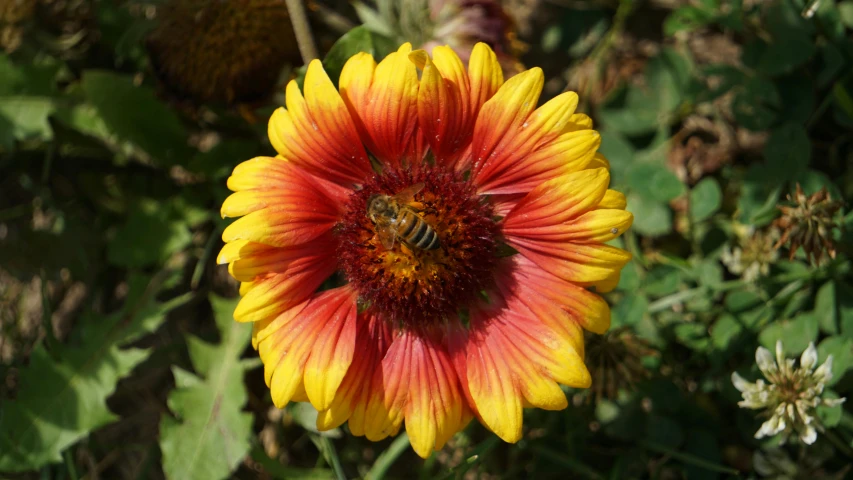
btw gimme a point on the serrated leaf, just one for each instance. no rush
(62, 395)
(134, 114)
(152, 232)
(209, 435)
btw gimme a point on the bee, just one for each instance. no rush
(396, 217)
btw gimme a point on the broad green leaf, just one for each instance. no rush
(725, 329)
(664, 431)
(693, 335)
(28, 79)
(654, 182)
(841, 350)
(755, 105)
(825, 309)
(209, 435)
(759, 196)
(797, 97)
(62, 394)
(359, 39)
(630, 310)
(787, 152)
(651, 218)
(705, 199)
(845, 11)
(662, 280)
(795, 334)
(844, 296)
(619, 152)
(25, 117)
(686, 19)
(632, 111)
(134, 114)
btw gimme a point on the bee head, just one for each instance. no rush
(377, 205)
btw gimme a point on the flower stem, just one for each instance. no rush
(388, 457)
(302, 30)
(840, 444)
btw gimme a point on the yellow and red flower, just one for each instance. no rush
(486, 325)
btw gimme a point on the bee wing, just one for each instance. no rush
(407, 195)
(387, 235)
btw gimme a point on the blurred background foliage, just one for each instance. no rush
(120, 120)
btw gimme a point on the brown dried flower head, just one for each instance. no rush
(222, 51)
(808, 223)
(615, 360)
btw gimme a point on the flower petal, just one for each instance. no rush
(537, 147)
(515, 360)
(485, 75)
(317, 132)
(387, 115)
(280, 277)
(289, 209)
(350, 403)
(539, 290)
(502, 117)
(319, 333)
(557, 201)
(443, 110)
(416, 382)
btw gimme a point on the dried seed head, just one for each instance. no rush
(808, 222)
(225, 51)
(615, 361)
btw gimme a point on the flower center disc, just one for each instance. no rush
(407, 283)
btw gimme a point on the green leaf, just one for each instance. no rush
(825, 309)
(841, 350)
(845, 11)
(151, 234)
(686, 19)
(651, 218)
(795, 334)
(359, 39)
(756, 105)
(210, 435)
(26, 117)
(725, 329)
(830, 416)
(134, 114)
(759, 195)
(705, 199)
(630, 310)
(693, 335)
(631, 110)
(662, 280)
(62, 394)
(619, 152)
(844, 302)
(38, 79)
(787, 152)
(654, 182)
(664, 431)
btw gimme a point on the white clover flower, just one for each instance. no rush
(791, 396)
(752, 254)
